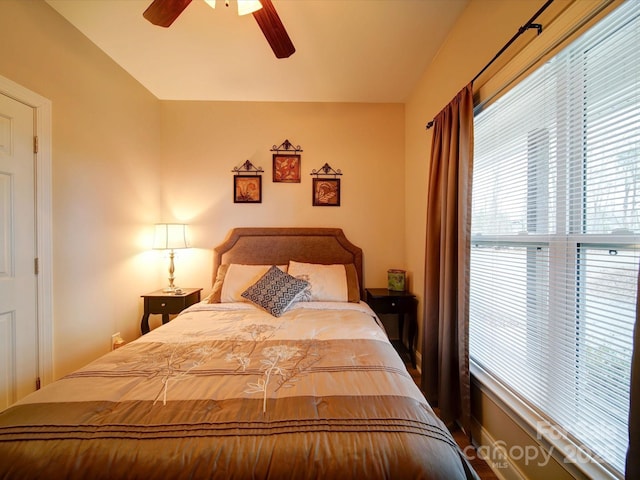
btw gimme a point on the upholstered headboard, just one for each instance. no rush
(276, 246)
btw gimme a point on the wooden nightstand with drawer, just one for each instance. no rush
(167, 303)
(405, 305)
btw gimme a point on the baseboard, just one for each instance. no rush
(493, 453)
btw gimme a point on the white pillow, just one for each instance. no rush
(240, 277)
(328, 282)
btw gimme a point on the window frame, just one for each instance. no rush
(569, 242)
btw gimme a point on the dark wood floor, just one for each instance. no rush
(480, 466)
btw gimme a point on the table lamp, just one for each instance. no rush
(170, 236)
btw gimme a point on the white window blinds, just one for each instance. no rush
(555, 243)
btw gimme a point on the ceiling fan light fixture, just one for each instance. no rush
(244, 6)
(163, 13)
(248, 6)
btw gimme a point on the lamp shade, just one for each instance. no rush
(170, 236)
(244, 6)
(248, 6)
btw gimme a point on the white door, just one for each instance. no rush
(18, 282)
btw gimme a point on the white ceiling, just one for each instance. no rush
(346, 50)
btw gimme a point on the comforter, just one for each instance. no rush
(228, 391)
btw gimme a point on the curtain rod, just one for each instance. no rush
(527, 26)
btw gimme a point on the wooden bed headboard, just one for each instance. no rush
(276, 246)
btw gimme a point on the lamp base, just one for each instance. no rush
(174, 290)
(171, 288)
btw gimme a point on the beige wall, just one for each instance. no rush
(123, 160)
(106, 132)
(203, 141)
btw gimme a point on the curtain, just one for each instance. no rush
(632, 470)
(445, 339)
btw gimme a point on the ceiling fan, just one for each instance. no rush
(164, 12)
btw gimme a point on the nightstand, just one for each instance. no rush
(403, 304)
(167, 303)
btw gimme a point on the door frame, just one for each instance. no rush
(43, 227)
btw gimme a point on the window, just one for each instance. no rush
(555, 245)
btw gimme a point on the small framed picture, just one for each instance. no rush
(326, 192)
(247, 189)
(286, 168)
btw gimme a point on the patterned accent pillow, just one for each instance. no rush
(275, 291)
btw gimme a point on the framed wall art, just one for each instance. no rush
(326, 192)
(286, 162)
(326, 187)
(286, 168)
(247, 183)
(247, 189)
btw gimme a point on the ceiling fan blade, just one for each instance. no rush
(274, 30)
(164, 12)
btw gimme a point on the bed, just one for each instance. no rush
(305, 387)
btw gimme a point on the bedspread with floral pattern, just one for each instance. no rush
(228, 391)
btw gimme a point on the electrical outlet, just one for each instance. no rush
(116, 340)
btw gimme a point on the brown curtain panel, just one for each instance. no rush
(632, 470)
(445, 339)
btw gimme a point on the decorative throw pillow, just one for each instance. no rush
(239, 277)
(353, 285)
(216, 291)
(276, 291)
